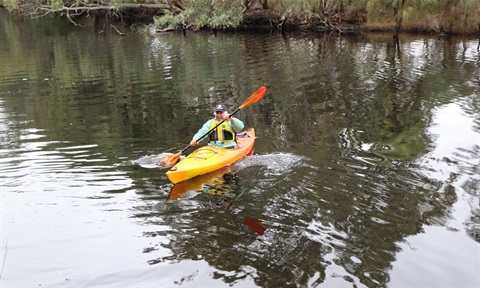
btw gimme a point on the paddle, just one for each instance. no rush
(171, 160)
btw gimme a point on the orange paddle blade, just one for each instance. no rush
(254, 97)
(171, 160)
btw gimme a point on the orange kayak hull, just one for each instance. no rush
(208, 158)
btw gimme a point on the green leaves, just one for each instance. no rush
(204, 14)
(56, 4)
(168, 20)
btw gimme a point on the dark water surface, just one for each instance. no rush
(367, 172)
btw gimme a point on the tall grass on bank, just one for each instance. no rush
(453, 16)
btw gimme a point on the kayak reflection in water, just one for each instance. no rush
(223, 136)
(225, 186)
(219, 182)
(223, 183)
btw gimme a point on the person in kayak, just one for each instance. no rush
(224, 135)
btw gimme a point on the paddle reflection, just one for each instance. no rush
(256, 226)
(223, 183)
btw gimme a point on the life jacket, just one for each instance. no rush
(222, 133)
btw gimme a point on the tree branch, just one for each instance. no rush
(80, 7)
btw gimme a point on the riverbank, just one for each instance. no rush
(272, 20)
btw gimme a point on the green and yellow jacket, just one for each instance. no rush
(224, 135)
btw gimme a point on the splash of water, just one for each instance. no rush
(275, 163)
(152, 161)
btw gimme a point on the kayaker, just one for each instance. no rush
(224, 135)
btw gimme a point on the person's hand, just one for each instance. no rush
(193, 143)
(226, 117)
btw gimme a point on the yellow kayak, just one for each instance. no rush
(208, 158)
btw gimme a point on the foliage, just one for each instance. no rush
(461, 16)
(11, 4)
(302, 8)
(57, 4)
(204, 13)
(169, 20)
(453, 16)
(446, 16)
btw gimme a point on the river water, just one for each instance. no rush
(366, 172)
